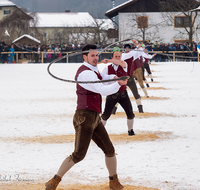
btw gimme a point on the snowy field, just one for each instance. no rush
(33, 104)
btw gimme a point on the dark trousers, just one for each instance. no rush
(143, 73)
(146, 66)
(131, 84)
(88, 126)
(123, 99)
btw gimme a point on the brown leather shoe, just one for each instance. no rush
(114, 183)
(53, 183)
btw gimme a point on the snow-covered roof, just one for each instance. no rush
(28, 36)
(5, 3)
(197, 9)
(67, 19)
(70, 19)
(121, 5)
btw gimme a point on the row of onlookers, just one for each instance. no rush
(32, 53)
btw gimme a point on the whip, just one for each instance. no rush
(78, 53)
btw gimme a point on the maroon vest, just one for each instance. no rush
(87, 99)
(138, 62)
(120, 72)
(130, 66)
(146, 60)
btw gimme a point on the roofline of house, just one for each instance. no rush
(27, 36)
(114, 11)
(8, 5)
(24, 12)
(42, 27)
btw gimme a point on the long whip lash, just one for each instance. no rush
(98, 81)
(80, 52)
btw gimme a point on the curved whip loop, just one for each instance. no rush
(80, 52)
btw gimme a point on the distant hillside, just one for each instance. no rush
(96, 8)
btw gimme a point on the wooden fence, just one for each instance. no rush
(20, 56)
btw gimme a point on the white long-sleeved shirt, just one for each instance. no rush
(90, 75)
(147, 56)
(143, 54)
(132, 53)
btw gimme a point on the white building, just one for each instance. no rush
(145, 20)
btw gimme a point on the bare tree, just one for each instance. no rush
(17, 23)
(87, 37)
(101, 31)
(185, 20)
(34, 29)
(144, 28)
(75, 35)
(92, 31)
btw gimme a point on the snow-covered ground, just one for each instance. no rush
(32, 103)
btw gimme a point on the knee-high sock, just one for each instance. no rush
(146, 82)
(65, 166)
(151, 76)
(138, 101)
(145, 91)
(103, 121)
(111, 164)
(130, 124)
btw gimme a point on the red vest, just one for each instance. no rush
(146, 60)
(120, 72)
(130, 66)
(87, 99)
(138, 63)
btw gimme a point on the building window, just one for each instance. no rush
(6, 25)
(32, 34)
(182, 21)
(142, 22)
(112, 33)
(20, 25)
(58, 34)
(7, 12)
(45, 34)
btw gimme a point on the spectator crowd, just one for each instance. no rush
(33, 53)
